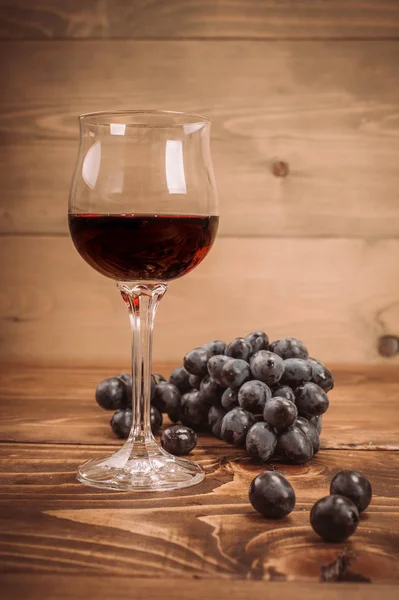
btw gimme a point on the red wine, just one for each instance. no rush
(143, 247)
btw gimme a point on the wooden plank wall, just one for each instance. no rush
(311, 84)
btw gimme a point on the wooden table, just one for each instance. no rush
(60, 539)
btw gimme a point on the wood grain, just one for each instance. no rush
(35, 587)
(51, 523)
(297, 102)
(58, 406)
(54, 531)
(337, 295)
(256, 19)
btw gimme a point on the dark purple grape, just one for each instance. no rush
(311, 400)
(215, 417)
(215, 347)
(316, 422)
(321, 375)
(235, 372)
(235, 425)
(289, 347)
(180, 378)
(229, 399)
(280, 413)
(156, 419)
(215, 366)
(211, 391)
(158, 378)
(194, 411)
(112, 394)
(352, 485)
(261, 441)
(311, 431)
(153, 389)
(284, 392)
(195, 382)
(178, 440)
(267, 367)
(121, 423)
(294, 446)
(296, 372)
(258, 341)
(196, 361)
(252, 396)
(127, 380)
(272, 495)
(167, 399)
(239, 348)
(334, 518)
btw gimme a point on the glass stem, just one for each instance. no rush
(142, 301)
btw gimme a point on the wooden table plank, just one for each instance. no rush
(318, 290)
(58, 406)
(51, 523)
(297, 102)
(37, 587)
(265, 19)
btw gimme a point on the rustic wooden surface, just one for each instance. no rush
(337, 295)
(265, 19)
(27, 412)
(58, 535)
(328, 109)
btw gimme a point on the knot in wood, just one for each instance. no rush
(280, 168)
(388, 345)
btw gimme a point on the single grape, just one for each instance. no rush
(352, 485)
(239, 348)
(253, 395)
(235, 372)
(284, 391)
(267, 367)
(211, 391)
(121, 423)
(334, 518)
(321, 375)
(196, 361)
(178, 440)
(289, 347)
(167, 399)
(280, 413)
(295, 446)
(311, 400)
(215, 347)
(258, 341)
(215, 366)
(180, 378)
(272, 495)
(235, 425)
(194, 411)
(261, 441)
(296, 372)
(112, 394)
(311, 431)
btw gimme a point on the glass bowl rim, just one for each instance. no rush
(99, 118)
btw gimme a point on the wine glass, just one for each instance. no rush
(143, 211)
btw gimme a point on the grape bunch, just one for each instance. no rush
(267, 397)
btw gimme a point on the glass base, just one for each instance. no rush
(146, 470)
